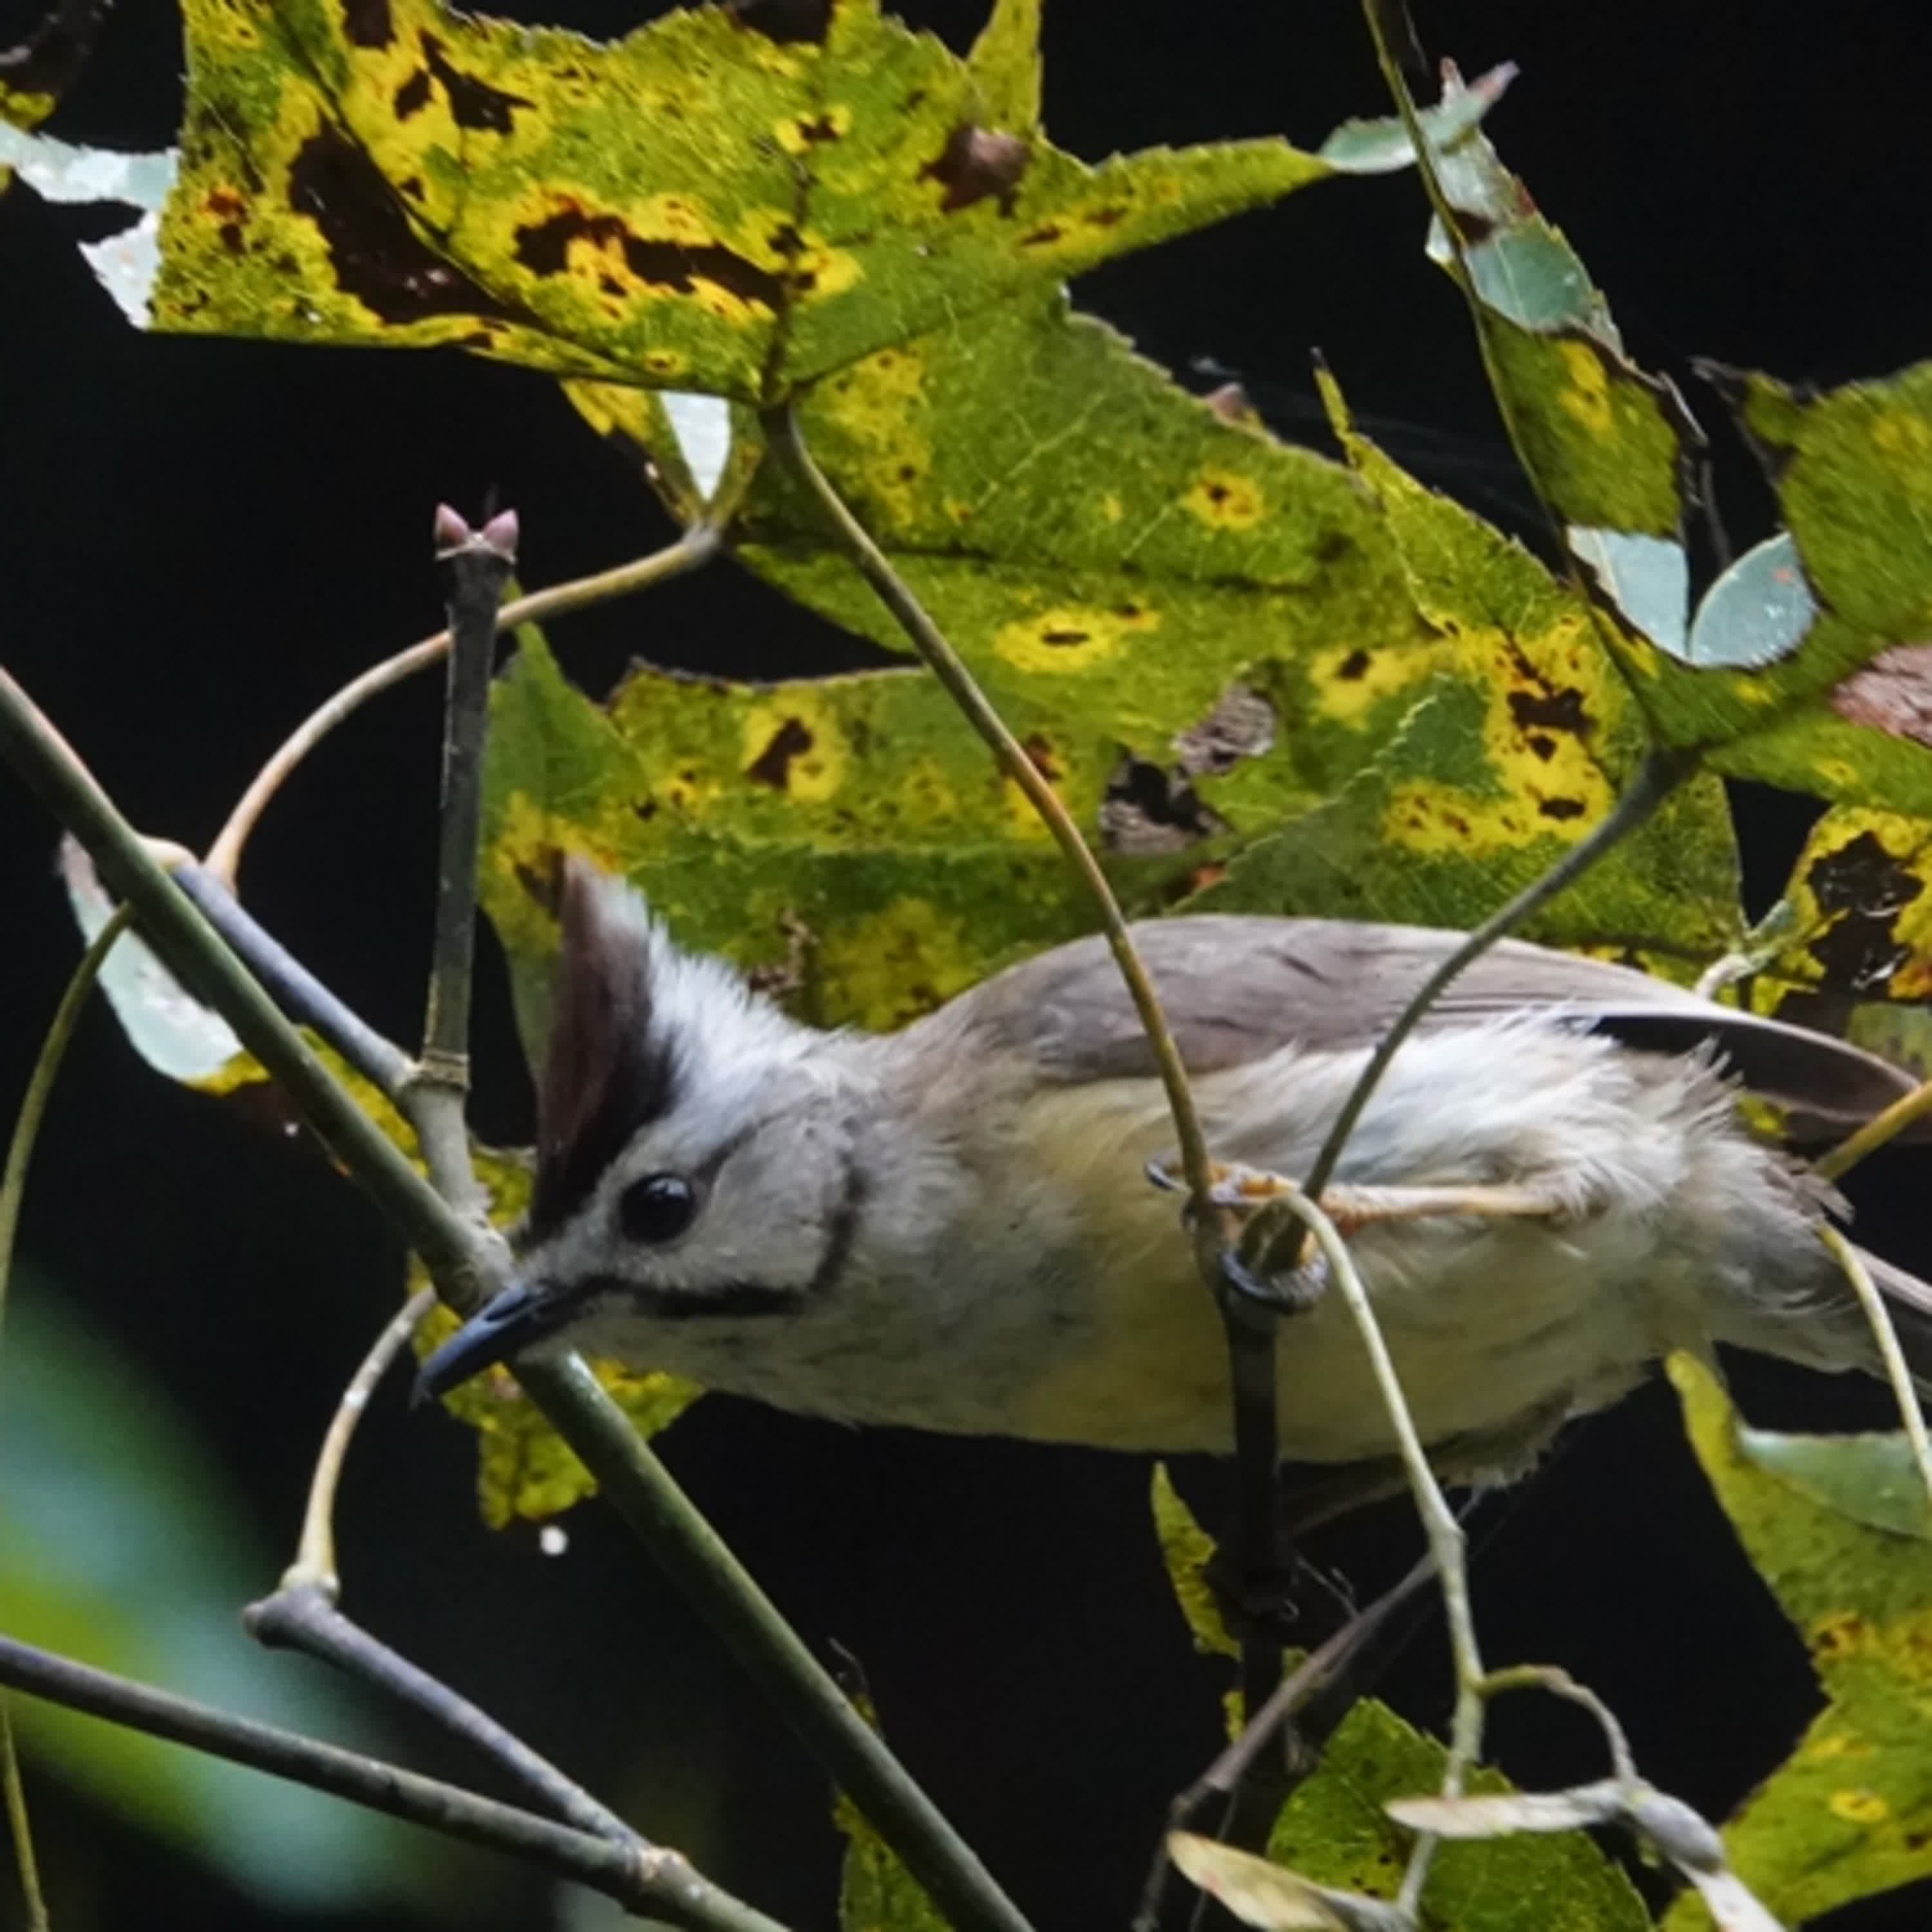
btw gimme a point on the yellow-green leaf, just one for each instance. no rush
(698, 206)
(1186, 1550)
(1849, 1812)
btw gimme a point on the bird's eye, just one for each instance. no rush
(658, 1208)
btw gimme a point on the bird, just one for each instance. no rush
(948, 1227)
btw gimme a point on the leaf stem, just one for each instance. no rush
(1897, 1371)
(650, 1881)
(315, 1550)
(13, 1194)
(696, 546)
(40, 1086)
(1659, 774)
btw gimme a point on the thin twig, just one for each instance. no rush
(1438, 1521)
(296, 990)
(13, 1194)
(1229, 1772)
(1898, 1372)
(1659, 774)
(697, 545)
(40, 1086)
(781, 428)
(1558, 1683)
(20, 1827)
(1250, 1340)
(467, 1263)
(315, 1550)
(658, 1883)
(300, 1616)
(1887, 1125)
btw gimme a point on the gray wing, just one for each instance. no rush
(1235, 987)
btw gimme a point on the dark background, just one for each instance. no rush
(199, 539)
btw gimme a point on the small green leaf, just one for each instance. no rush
(1872, 1479)
(1333, 1831)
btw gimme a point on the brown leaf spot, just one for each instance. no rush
(413, 95)
(976, 162)
(1039, 749)
(820, 128)
(366, 22)
(773, 764)
(544, 248)
(1549, 710)
(1864, 889)
(1106, 217)
(1545, 748)
(1892, 693)
(377, 257)
(1047, 232)
(1354, 665)
(1064, 636)
(1241, 725)
(472, 103)
(1560, 808)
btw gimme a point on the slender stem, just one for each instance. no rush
(697, 545)
(1320, 1670)
(458, 1257)
(40, 1086)
(465, 1263)
(20, 1827)
(651, 1881)
(1896, 1370)
(297, 991)
(1903, 1112)
(300, 1616)
(1250, 1342)
(1560, 1684)
(1656, 777)
(13, 1193)
(691, 1552)
(315, 1551)
(781, 428)
(1446, 1542)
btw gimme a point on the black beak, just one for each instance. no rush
(516, 1318)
